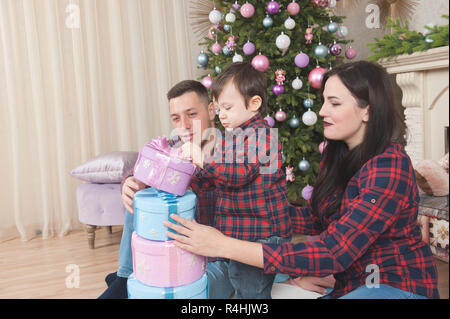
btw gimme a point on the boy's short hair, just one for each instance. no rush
(248, 81)
(187, 86)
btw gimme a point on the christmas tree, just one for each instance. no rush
(294, 43)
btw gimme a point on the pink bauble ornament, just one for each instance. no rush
(336, 49)
(216, 48)
(278, 89)
(301, 60)
(247, 10)
(316, 76)
(212, 31)
(273, 7)
(322, 146)
(321, 3)
(350, 53)
(261, 63)
(248, 48)
(270, 120)
(280, 116)
(307, 192)
(207, 81)
(293, 8)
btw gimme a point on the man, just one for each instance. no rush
(189, 108)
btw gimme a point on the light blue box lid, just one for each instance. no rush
(156, 201)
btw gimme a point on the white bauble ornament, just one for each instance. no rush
(215, 16)
(309, 118)
(297, 84)
(237, 58)
(289, 23)
(230, 17)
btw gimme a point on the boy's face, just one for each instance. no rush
(232, 109)
(187, 109)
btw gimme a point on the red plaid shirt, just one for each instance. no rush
(376, 228)
(251, 202)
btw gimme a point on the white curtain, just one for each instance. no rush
(79, 78)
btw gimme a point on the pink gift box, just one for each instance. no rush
(162, 264)
(159, 166)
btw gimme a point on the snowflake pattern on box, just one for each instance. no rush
(173, 178)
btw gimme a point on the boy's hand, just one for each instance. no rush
(130, 187)
(192, 152)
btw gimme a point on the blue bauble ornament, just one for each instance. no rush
(267, 22)
(202, 59)
(332, 27)
(320, 51)
(304, 165)
(294, 122)
(226, 50)
(218, 69)
(428, 39)
(226, 28)
(308, 103)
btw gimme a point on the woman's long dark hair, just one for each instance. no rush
(370, 85)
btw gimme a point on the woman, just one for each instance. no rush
(364, 204)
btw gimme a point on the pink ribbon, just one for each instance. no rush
(160, 143)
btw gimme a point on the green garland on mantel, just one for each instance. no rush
(403, 41)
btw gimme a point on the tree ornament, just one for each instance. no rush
(309, 118)
(289, 23)
(212, 31)
(309, 35)
(278, 89)
(270, 121)
(226, 50)
(294, 122)
(332, 4)
(322, 146)
(336, 49)
(235, 7)
(320, 51)
(307, 192)
(249, 48)
(316, 76)
(301, 60)
(231, 42)
(267, 21)
(230, 17)
(202, 59)
(297, 84)
(261, 63)
(342, 32)
(216, 48)
(320, 3)
(280, 116)
(207, 81)
(247, 10)
(227, 28)
(293, 8)
(350, 53)
(308, 103)
(215, 16)
(290, 176)
(280, 76)
(273, 7)
(237, 58)
(304, 165)
(332, 27)
(428, 39)
(283, 42)
(218, 69)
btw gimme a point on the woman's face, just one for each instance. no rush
(343, 119)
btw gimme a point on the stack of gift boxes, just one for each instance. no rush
(161, 270)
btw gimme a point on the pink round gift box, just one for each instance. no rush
(162, 264)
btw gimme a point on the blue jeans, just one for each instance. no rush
(217, 272)
(382, 292)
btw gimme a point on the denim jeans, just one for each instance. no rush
(382, 292)
(217, 272)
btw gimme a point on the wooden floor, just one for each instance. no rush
(37, 269)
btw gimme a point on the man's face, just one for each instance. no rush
(187, 110)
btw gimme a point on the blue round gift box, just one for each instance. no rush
(152, 207)
(196, 290)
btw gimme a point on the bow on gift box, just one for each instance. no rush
(160, 143)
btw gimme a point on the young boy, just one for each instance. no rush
(251, 186)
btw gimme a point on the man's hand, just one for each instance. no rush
(130, 187)
(316, 284)
(192, 152)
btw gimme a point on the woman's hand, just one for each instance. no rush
(196, 238)
(316, 284)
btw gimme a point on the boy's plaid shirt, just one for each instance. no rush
(376, 228)
(251, 202)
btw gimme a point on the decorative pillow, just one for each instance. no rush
(107, 168)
